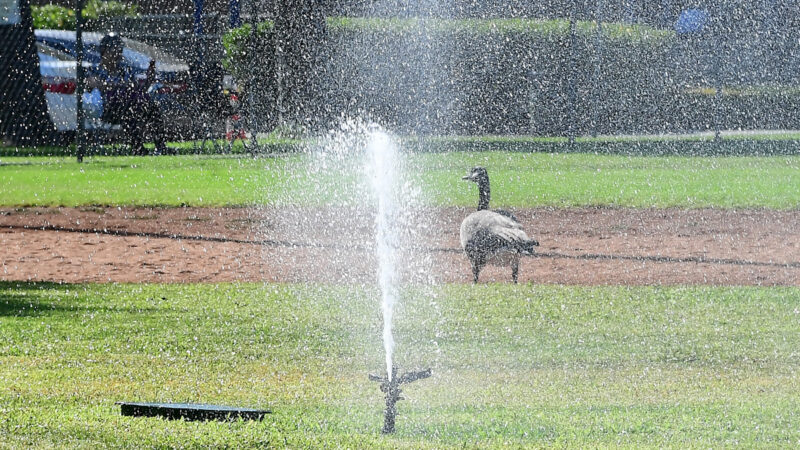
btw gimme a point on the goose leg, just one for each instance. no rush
(477, 265)
(515, 271)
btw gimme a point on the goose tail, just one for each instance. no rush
(529, 247)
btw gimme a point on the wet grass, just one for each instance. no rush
(512, 365)
(564, 180)
(519, 179)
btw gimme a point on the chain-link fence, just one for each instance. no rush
(566, 68)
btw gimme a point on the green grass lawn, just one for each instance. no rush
(518, 180)
(512, 365)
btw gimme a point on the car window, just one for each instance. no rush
(150, 52)
(136, 54)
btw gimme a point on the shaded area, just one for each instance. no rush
(25, 299)
(23, 112)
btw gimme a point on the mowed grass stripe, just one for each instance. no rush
(518, 180)
(513, 365)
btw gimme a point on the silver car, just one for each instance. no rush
(58, 69)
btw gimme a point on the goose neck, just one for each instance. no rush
(484, 194)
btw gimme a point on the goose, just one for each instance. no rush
(492, 237)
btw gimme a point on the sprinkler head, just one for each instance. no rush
(391, 387)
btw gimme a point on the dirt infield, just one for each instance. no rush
(593, 246)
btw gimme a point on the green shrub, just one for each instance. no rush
(235, 40)
(235, 43)
(511, 76)
(99, 9)
(53, 17)
(503, 72)
(61, 18)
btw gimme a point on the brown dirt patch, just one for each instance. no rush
(595, 246)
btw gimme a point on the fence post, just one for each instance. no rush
(717, 106)
(234, 20)
(255, 114)
(716, 57)
(598, 49)
(666, 7)
(198, 32)
(571, 88)
(80, 134)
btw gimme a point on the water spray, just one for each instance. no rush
(383, 154)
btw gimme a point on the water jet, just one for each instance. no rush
(383, 165)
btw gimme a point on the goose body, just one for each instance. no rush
(492, 237)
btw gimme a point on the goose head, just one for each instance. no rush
(480, 176)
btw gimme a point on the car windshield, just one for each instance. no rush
(50, 54)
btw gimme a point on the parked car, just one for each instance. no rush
(58, 69)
